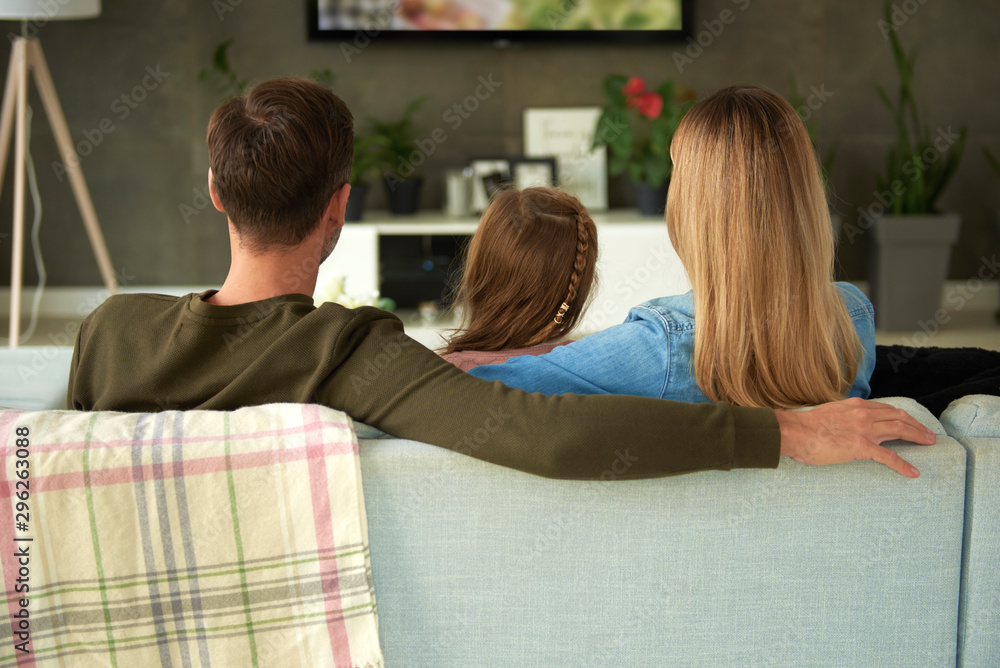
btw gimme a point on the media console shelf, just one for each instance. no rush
(636, 260)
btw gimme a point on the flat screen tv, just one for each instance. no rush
(582, 21)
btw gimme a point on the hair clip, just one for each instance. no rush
(559, 314)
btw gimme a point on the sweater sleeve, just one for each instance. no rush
(387, 380)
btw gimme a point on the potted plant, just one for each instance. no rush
(367, 160)
(637, 124)
(913, 238)
(400, 157)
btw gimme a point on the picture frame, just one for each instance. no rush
(567, 133)
(526, 172)
(483, 170)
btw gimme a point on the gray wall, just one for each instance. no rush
(154, 160)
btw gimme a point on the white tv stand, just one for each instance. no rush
(636, 261)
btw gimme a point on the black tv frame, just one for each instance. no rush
(504, 37)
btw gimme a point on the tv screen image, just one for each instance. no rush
(500, 18)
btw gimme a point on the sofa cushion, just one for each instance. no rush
(848, 565)
(178, 538)
(34, 377)
(975, 422)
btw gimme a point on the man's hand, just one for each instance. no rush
(844, 431)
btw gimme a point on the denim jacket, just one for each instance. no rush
(650, 355)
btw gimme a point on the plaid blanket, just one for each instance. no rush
(196, 538)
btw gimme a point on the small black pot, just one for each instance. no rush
(355, 210)
(404, 194)
(652, 201)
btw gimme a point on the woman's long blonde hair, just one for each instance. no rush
(748, 216)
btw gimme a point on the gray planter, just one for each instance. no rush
(910, 267)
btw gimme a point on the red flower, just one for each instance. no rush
(648, 104)
(634, 85)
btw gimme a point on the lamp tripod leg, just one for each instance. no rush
(71, 162)
(20, 139)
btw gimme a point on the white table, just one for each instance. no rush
(636, 261)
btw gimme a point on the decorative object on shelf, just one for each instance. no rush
(527, 172)
(27, 58)
(333, 290)
(913, 239)
(366, 164)
(400, 158)
(566, 133)
(458, 192)
(486, 171)
(636, 125)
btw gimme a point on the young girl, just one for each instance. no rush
(764, 324)
(528, 273)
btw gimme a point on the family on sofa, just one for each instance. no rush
(759, 249)
(246, 521)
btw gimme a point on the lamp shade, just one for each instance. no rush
(49, 10)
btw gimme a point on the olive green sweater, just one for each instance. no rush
(154, 352)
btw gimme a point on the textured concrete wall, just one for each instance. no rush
(153, 161)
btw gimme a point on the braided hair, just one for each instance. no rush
(528, 272)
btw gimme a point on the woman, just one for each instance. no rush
(528, 273)
(747, 214)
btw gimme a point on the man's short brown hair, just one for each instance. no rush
(278, 154)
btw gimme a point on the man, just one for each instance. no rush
(280, 161)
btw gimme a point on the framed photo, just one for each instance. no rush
(527, 172)
(567, 133)
(488, 174)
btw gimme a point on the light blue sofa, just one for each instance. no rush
(851, 565)
(975, 420)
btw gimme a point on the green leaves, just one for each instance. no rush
(636, 144)
(920, 164)
(221, 75)
(397, 139)
(367, 157)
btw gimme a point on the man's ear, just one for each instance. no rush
(214, 195)
(337, 205)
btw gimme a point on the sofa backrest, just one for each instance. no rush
(477, 565)
(975, 420)
(34, 377)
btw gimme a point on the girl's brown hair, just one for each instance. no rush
(747, 214)
(528, 271)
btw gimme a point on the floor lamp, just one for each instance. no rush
(26, 57)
